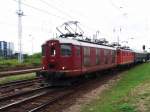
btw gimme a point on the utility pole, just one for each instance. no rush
(20, 14)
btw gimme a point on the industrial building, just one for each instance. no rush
(6, 49)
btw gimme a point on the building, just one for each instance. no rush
(6, 49)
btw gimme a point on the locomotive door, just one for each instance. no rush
(52, 54)
(77, 59)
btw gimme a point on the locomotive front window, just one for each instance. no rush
(53, 51)
(66, 50)
(43, 50)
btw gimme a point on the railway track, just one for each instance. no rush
(13, 87)
(14, 83)
(37, 100)
(43, 99)
(34, 102)
(18, 72)
(18, 93)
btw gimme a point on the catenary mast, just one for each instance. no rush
(20, 14)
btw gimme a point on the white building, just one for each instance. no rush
(6, 49)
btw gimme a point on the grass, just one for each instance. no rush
(33, 60)
(17, 77)
(140, 97)
(119, 97)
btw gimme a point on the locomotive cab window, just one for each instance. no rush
(43, 50)
(66, 50)
(52, 51)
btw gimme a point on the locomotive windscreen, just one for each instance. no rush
(66, 50)
(43, 50)
(53, 51)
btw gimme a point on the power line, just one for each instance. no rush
(41, 10)
(60, 2)
(62, 8)
(115, 6)
(47, 12)
(43, 1)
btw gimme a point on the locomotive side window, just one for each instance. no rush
(66, 50)
(43, 50)
(53, 51)
(97, 56)
(113, 56)
(78, 51)
(106, 53)
(86, 51)
(86, 54)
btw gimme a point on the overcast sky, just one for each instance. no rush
(41, 17)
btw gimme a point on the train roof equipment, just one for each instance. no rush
(72, 30)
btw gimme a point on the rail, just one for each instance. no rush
(37, 101)
(18, 72)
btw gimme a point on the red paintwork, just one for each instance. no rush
(74, 65)
(125, 57)
(91, 59)
(93, 67)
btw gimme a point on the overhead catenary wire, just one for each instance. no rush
(69, 10)
(59, 10)
(61, 7)
(62, 12)
(49, 13)
(119, 8)
(58, 1)
(42, 10)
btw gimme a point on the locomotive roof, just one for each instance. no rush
(140, 52)
(80, 43)
(125, 50)
(135, 51)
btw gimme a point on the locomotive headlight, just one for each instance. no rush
(63, 68)
(53, 43)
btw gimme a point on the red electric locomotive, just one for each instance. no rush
(125, 57)
(63, 57)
